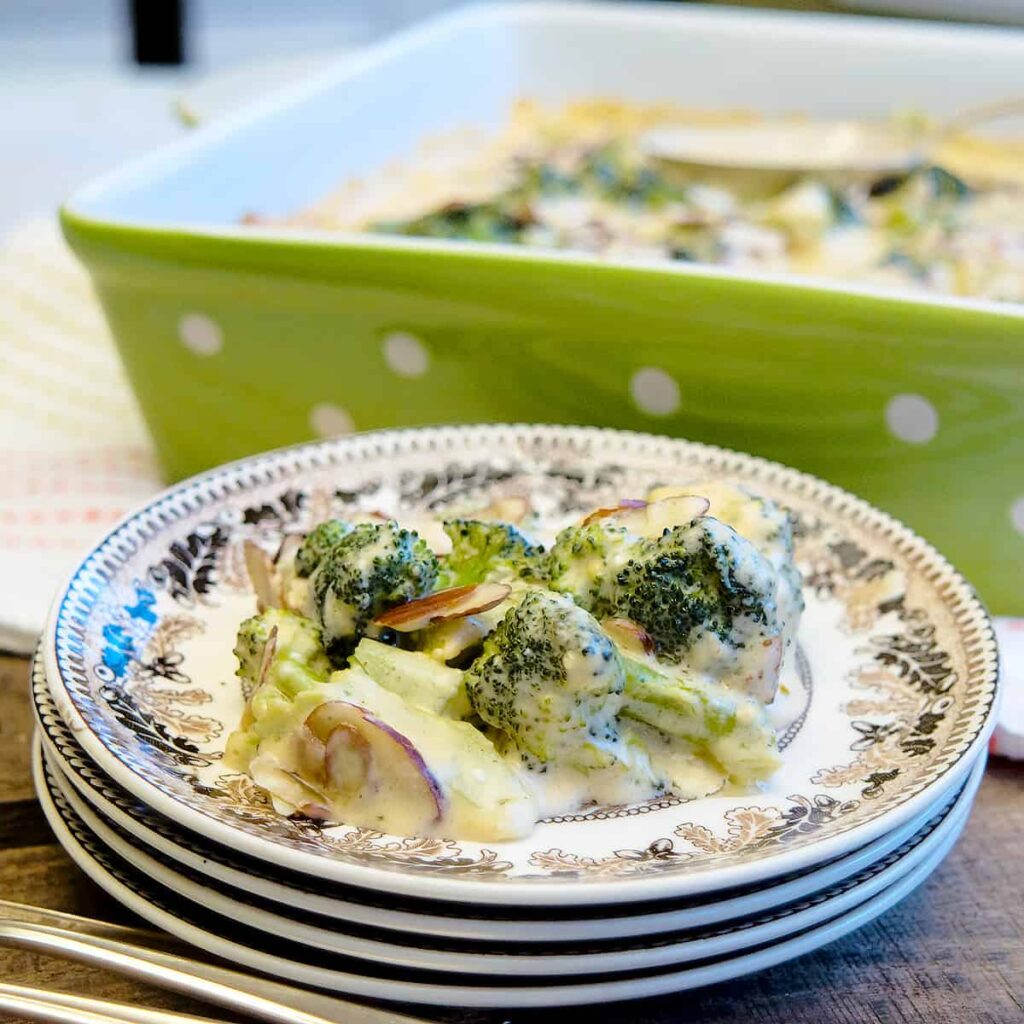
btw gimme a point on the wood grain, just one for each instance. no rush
(953, 953)
(15, 731)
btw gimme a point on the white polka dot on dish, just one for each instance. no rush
(1017, 514)
(405, 354)
(329, 420)
(654, 391)
(912, 418)
(200, 334)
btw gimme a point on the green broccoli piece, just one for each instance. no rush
(501, 219)
(694, 580)
(321, 539)
(583, 558)
(488, 551)
(551, 682)
(375, 566)
(730, 729)
(298, 661)
(619, 173)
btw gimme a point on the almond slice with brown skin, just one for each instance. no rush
(309, 751)
(444, 605)
(651, 519)
(315, 811)
(629, 635)
(625, 505)
(764, 684)
(267, 659)
(365, 756)
(262, 576)
(286, 552)
(676, 511)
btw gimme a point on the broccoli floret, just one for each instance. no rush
(551, 682)
(693, 581)
(299, 658)
(375, 566)
(697, 579)
(583, 558)
(488, 551)
(769, 528)
(318, 542)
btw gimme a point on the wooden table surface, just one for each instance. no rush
(952, 953)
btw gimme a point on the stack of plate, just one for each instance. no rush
(891, 694)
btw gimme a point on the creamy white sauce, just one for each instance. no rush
(561, 789)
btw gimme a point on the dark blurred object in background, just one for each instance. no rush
(158, 31)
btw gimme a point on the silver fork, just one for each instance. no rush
(65, 1008)
(129, 951)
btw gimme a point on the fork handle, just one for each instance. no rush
(58, 1007)
(52, 1012)
(245, 994)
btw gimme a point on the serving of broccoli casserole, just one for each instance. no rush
(464, 680)
(579, 178)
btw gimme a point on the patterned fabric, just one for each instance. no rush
(75, 454)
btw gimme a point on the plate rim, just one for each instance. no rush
(661, 983)
(778, 921)
(973, 625)
(422, 922)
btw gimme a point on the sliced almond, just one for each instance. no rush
(310, 752)
(262, 576)
(302, 783)
(269, 650)
(290, 545)
(359, 745)
(629, 635)
(444, 605)
(317, 812)
(764, 684)
(675, 511)
(625, 505)
(346, 759)
(652, 519)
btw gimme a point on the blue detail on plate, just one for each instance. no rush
(119, 650)
(144, 602)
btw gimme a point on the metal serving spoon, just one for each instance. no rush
(794, 146)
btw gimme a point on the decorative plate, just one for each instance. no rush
(897, 662)
(479, 927)
(233, 941)
(502, 959)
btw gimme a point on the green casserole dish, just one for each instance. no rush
(238, 338)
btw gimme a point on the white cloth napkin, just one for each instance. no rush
(75, 454)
